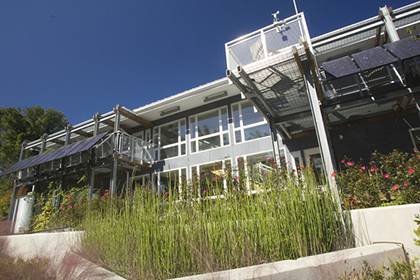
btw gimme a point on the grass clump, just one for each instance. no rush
(154, 237)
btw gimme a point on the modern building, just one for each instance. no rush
(287, 98)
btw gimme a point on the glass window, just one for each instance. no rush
(210, 130)
(238, 136)
(169, 152)
(192, 127)
(225, 139)
(235, 115)
(250, 114)
(208, 123)
(256, 132)
(182, 130)
(169, 181)
(193, 146)
(211, 179)
(259, 167)
(169, 134)
(209, 143)
(224, 120)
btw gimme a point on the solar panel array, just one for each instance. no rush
(62, 152)
(371, 58)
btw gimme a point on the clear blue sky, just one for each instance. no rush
(85, 56)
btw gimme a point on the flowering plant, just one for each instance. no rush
(392, 178)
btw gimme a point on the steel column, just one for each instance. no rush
(322, 136)
(389, 24)
(116, 147)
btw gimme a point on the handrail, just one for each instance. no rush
(125, 146)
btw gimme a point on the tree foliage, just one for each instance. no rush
(17, 125)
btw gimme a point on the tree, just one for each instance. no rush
(17, 125)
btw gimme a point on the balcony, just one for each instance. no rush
(126, 147)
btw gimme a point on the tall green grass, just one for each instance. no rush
(154, 237)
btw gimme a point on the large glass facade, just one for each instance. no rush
(209, 130)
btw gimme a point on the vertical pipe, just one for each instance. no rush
(12, 207)
(91, 171)
(116, 147)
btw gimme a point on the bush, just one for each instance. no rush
(156, 237)
(60, 209)
(389, 179)
(395, 271)
(4, 204)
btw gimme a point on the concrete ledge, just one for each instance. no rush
(319, 267)
(391, 223)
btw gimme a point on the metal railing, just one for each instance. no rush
(128, 147)
(265, 42)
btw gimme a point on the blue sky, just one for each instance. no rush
(85, 56)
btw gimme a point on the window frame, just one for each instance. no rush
(178, 144)
(197, 167)
(242, 127)
(195, 139)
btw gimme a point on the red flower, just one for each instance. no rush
(334, 174)
(342, 161)
(350, 163)
(405, 184)
(395, 187)
(386, 176)
(363, 168)
(410, 171)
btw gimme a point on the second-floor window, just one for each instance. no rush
(249, 123)
(209, 130)
(169, 139)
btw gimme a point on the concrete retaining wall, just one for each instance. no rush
(392, 223)
(319, 267)
(59, 248)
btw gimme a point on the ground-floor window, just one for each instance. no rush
(254, 169)
(211, 179)
(172, 181)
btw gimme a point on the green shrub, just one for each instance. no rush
(4, 204)
(395, 271)
(389, 179)
(156, 237)
(60, 209)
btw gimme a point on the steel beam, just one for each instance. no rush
(83, 133)
(132, 116)
(256, 91)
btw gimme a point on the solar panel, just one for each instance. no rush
(373, 58)
(405, 48)
(340, 67)
(65, 151)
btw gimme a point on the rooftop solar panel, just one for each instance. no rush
(373, 58)
(404, 48)
(65, 151)
(340, 67)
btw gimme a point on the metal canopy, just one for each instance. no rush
(62, 152)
